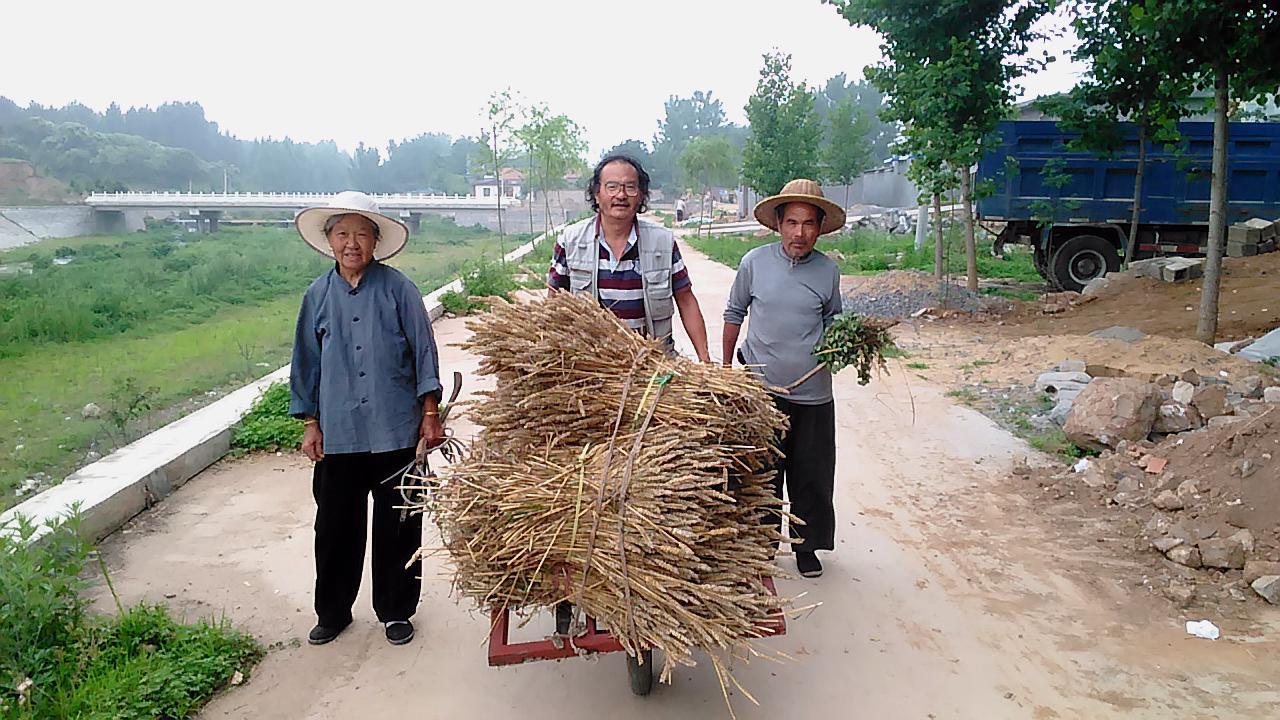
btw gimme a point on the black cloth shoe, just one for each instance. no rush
(399, 632)
(808, 565)
(321, 634)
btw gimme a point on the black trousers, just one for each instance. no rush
(808, 468)
(341, 485)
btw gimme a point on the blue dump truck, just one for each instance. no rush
(1075, 208)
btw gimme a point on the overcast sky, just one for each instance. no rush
(380, 69)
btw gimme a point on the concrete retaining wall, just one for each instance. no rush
(25, 225)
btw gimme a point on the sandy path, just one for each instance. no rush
(941, 602)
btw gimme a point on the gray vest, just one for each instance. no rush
(655, 243)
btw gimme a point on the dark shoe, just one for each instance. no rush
(399, 632)
(321, 634)
(564, 617)
(808, 565)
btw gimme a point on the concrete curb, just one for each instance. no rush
(119, 486)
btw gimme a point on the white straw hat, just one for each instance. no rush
(392, 234)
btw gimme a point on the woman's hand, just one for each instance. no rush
(431, 431)
(313, 442)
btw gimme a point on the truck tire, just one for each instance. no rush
(1081, 259)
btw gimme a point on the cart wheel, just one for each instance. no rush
(641, 675)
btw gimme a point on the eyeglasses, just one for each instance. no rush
(614, 188)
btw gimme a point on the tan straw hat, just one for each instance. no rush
(800, 190)
(392, 234)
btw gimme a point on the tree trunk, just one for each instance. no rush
(546, 199)
(938, 261)
(970, 237)
(1137, 195)
(1207, 327)
(497, 177)
(529, 191)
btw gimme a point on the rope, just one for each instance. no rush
(604, 479)
(622, 498)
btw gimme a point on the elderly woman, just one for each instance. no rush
(366, 383)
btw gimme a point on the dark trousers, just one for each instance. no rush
(808, 467)
(341, 486)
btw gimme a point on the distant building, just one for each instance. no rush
(512, 185)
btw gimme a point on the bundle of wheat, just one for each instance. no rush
(631, 484)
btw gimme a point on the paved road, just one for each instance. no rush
(939, 602)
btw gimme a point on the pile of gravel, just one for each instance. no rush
(900, 293)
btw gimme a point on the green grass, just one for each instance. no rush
(1014, 414)
(863, 252)
(58, 661)
(76, 333)
(918, 365)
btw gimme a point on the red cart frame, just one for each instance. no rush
(595, 640)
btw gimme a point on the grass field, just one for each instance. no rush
(141, 324)
(866, 252)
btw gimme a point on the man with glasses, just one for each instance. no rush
(632, 266)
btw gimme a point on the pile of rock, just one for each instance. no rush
(1098, 406)
(1202, 454)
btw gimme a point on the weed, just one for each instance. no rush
(128, 403)
(918, 365)
(268, 424)
(964, 395)
(57, 662)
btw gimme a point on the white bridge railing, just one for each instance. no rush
(290, 201)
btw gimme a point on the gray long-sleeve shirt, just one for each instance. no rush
(363, 359)
(791, 303)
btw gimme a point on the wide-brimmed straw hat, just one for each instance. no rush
(801, 190)
(392, 234)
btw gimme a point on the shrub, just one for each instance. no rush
(268, 425)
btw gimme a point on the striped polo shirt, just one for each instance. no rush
(620, 284)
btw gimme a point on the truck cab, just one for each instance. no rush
(1075, 208)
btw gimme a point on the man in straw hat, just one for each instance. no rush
(632, 266)
(793, 293)
(366, 383)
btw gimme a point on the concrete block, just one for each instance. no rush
(1242, 233)
(1182, 270)
(1239, 249)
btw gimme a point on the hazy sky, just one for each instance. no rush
(380, 69)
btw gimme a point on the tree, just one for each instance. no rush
(708, 162)
(556, 146)
(365, 166)
(699, 115)
(1123, 82)
(948, 72)
(1227, 45)
(869, 100)
(784, 131)
(501, 115)
(847, 152)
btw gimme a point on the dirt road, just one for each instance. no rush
(942, 600)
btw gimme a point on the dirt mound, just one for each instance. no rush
(20, 183)
(900, 293)
(1250, 305)
(1205, 504)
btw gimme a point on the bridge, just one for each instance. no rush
(207, 208)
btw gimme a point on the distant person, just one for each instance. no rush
(680, 209)
(792, 292)
(366, 383)
(631, 266)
